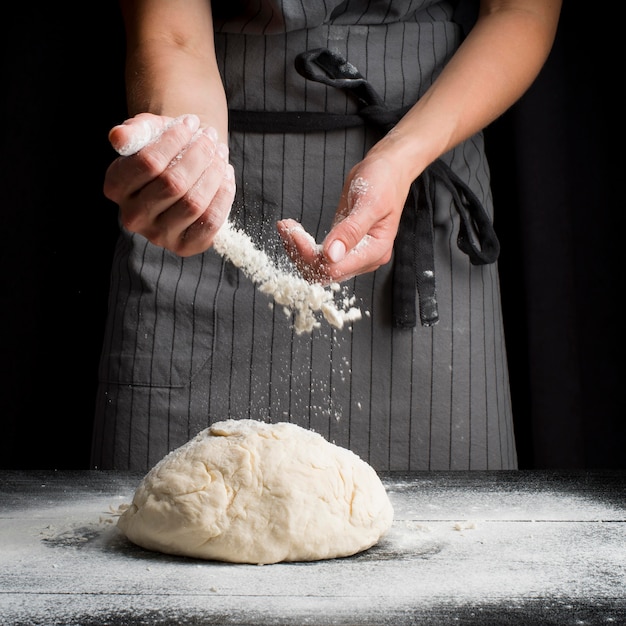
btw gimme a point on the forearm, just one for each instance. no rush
(493, 67)
(170, 65)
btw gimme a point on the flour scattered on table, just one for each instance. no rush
(245, 491)
(465, 525)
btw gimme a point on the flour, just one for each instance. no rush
(308, 302)
(64, 563)
(358, 187)
(144, 134)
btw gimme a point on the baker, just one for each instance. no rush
(355, 124)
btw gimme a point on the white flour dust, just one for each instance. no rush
(144, 134)
(358, 187)
(308, 302)
(297, 295)
(453, 545)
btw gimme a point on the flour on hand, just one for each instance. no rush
(245, 491)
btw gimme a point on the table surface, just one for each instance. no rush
(479, 548)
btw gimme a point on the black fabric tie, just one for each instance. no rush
(414, 266)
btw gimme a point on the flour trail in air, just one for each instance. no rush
(309, 302)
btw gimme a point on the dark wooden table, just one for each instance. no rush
(465, 548)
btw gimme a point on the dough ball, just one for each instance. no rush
(249, 492)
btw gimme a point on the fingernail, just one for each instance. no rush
(222, 150)
(192, 122)
(211, 133)
(336, 251)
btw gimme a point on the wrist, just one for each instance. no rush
(407, 155)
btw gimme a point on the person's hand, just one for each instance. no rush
(173, 183)
(364, 229)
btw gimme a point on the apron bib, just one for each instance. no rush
(191, 341)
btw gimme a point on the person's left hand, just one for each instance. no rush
(173, 183)
(364, 228)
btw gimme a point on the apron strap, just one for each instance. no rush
(414, 266)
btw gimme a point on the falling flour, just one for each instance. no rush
(297, 295)
(307, 301)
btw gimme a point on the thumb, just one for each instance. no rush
(344, 237)
(139, 131)
(352, 221)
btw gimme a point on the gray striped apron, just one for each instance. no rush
(191, 341)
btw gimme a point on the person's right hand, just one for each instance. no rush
(365, 225)
(173, 183)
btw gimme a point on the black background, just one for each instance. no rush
(557, 160)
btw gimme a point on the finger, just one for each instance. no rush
(367, 256)
(159, 199)
(199, 236)
(298, 240)
(137, 132)
(128, 175)
(302, 249)
(169, 227)
(356, 214)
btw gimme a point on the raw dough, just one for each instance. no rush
(249, 492)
